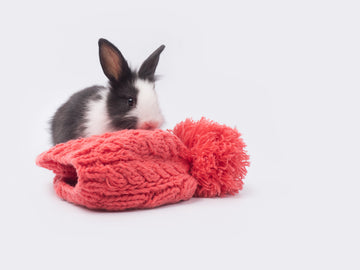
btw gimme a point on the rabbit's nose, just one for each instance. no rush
(150, 125)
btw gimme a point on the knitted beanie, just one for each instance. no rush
(144, 169)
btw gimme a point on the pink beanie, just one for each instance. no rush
(144, 169)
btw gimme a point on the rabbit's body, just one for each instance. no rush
(129, 102)
(74, 119)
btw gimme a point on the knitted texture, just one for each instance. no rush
(145, 169)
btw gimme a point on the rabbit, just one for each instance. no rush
(129, 101)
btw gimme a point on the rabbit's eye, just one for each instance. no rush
(131, 102)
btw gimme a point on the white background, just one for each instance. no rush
(285, 73)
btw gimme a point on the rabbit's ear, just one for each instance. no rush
(112, 62)
(147, 69)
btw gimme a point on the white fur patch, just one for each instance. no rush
(97, 118)
(147, 107)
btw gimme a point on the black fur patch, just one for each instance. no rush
(118, 103)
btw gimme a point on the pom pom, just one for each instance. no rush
(218, 157)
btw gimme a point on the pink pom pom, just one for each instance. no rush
(218, 156)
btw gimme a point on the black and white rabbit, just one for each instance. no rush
(129, 102)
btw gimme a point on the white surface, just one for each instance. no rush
(286, 73)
